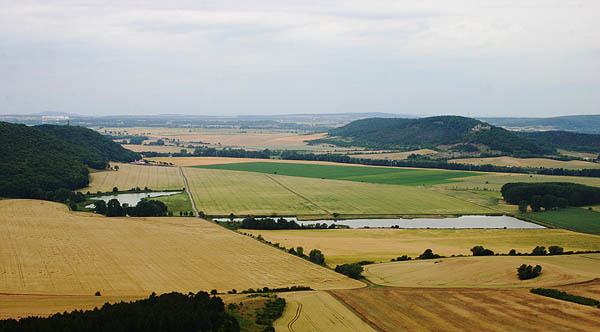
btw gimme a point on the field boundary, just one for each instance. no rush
(296, 193)
(187, 189)
(355, 312)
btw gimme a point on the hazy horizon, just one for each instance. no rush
(228, 58)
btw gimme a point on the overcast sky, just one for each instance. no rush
(474, 58)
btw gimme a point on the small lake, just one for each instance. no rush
(132, 198)
(423, 223)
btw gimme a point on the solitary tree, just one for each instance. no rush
(316, 256)
(116, 167)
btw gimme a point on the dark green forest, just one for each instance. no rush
(173, 312)
(410, 134)
(565, 140)
(550, 195)
(38, 161)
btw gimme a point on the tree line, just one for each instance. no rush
(168, 312)
(144, 208)
(414, 162)
(549, 195)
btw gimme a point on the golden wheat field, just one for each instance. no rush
(48, 250)
(527, 162)
(380, 245)
(130, 176)
(394, 309)
(318, 311)
(485, 272)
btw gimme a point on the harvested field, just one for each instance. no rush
(22, 305)
(527, 162)
(203, 161)
(380, 245)
(393, 155)
(416, 309)
(479, 272)
(220, 192)
(155, 148)
(48, 250)
(317, 311)
(129, 176)
(247, 138)
(589, 289)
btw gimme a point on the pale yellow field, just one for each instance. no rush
(48, 250)
(129, 176)
(380, 245)
(254, 139)
(527, 162)
(578, 154)
(317, 311)
(220, 192)
(485, 272)
(156, 148)
(393, 155)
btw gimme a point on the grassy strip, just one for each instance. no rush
(402, 176)
(557, 294)
(573, 218)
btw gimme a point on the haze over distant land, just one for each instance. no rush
(479, 59)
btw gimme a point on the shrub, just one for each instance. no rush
(316, 256)
(538, 251)
(401, 258)
(556, 250)
(512, 252)
(428, 254)
(481, 251)
(351, 270)
(528, 272)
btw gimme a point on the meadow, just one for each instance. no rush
(573, 218)
(130, 176)
(380, 245)
(422, 309)
(221, 192)
(48, 250)
(382, 175)
(485, 272)
(177, 203)
(527, 162)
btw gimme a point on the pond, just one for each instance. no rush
(133, 198)
(423, 223)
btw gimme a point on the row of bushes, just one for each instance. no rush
(315, 255)
(556, 294)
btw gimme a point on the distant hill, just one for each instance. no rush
(378, 133)
(579, 123)
(39, 159)
(565, 140)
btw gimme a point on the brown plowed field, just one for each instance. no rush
(422, 309)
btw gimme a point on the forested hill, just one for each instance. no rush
(378, 133)
(565, 140)
(42, 159)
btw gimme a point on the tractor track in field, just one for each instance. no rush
(290, 325)
(187, 189)
(296, 193)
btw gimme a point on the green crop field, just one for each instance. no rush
(221, 192)
(575, 219)
(176, 203)
(402, 176)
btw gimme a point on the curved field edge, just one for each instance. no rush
(485, 271)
